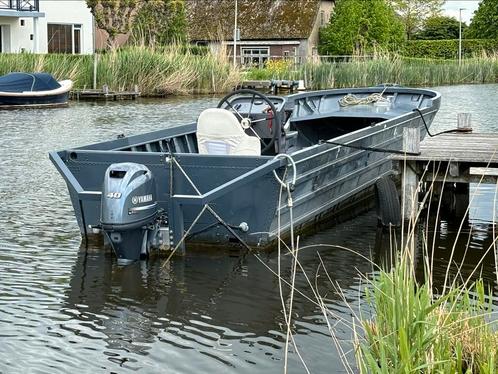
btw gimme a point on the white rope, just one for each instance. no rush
(351, 99)
(294, 172)
(206, 207)
(185, 235)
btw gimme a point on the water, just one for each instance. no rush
(63, 307)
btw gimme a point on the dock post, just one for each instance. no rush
(95, 63)
(411, 143)
(464, 121)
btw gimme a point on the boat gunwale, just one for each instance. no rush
(65, 86)
(432, 94)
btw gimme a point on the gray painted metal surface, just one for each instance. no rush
(242, 190)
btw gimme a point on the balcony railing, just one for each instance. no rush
(21, 5)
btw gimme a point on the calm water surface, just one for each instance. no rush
(64, 307)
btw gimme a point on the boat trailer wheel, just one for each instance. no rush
(246, 121)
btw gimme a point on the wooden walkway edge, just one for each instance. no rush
(104, 94)
(458, 158)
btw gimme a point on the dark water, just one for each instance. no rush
(66, 308)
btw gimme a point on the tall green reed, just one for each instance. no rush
(155, 71)
(387, 68)
(404, 323)
(414, 330)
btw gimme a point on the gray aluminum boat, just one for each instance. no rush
(219, 181)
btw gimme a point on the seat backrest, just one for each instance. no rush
(220, 133)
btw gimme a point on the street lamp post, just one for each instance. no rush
(235, 37)
(460, 37)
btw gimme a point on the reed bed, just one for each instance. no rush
(387, 68)
(155, 71)
(414, 330)
(175, 70)
(404, 323)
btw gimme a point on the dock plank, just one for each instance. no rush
(468, 147)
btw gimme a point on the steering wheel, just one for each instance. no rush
(247, 122)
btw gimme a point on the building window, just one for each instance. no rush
(64, 38)
(255, 56)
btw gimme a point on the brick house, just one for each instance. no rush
(268, 28)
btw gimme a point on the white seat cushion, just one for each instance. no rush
(219, 132)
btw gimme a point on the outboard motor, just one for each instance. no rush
(130, 216)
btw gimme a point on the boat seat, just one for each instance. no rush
(220, 133)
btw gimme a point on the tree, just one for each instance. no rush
(114, 16)
(485, 21)
(358, 25)
(414, 12)
(440, 28)
(161, 21)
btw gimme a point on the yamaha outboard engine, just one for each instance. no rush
(130, 216)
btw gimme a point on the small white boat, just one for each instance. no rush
(33, 90)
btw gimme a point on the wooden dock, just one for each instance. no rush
(104, 94)
(455, 158)
(273, 86)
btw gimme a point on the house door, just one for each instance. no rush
(4, 38)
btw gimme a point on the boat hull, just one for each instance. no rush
(41, 90)
(27, 101)
(222, 200)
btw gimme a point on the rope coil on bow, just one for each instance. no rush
(351, 99)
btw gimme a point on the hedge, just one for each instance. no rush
(448, 49)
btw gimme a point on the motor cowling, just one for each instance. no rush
(128, 196)
(130, 216)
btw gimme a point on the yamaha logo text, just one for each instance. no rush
(141, 199)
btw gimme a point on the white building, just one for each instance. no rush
(41, 26)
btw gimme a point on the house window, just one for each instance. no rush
(255, 56)
(64, 38)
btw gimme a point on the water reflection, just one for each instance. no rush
(225, 307)
(64, 307)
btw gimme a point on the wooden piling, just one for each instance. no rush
(411, 144)
(464, 121)
(449, 161)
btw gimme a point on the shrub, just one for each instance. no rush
(448, 49)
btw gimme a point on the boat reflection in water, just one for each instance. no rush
(212, 310)
(226, 307)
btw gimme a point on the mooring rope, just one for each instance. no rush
(396, 151)
(294, 170)
(375, 97)
(463, 129)
(211, 210)
(374, 149)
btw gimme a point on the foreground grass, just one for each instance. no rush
(154, 71)
(385, 69)
(414, 330)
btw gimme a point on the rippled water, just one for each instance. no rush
(63, 307)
